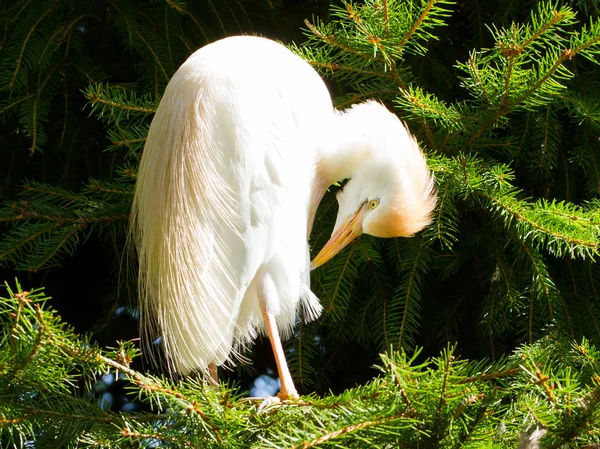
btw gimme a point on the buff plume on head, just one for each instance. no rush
(391, 191)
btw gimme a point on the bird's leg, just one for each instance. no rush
(213, 375)
(287, 391)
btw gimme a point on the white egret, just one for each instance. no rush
(241, 150)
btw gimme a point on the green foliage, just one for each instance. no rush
(63, 65)
(47, 372)
(503, 97)
(514, 164)
(55, 219)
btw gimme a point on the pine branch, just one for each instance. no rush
(116, 102)
(11, 84)
(437, 401)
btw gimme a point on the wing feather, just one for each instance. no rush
(182, 196)
(222, 191)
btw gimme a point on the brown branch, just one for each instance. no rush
(84, 73)
(486, 125)
(530, 312)
(337, 285)
(506, 106)
(157, 436)
(545, 143)
(491, 376)
(331, 40)
(441, 202)
(167, 37)
(63, 30)
(235, 17)
(565, 55)
(401, 84)
(95, 98)
(545, 288)
(65, 121)
(218, 16)
(36, 344)
(470, 400)
(476, 74)
(16, 16)
(16, 102)
(59, 221)
(333, 67)
(386, 18)
(38, 93)
(200, 28)
(102, 189)
(543, 381)
(20, 58)
(418, 23)
(147, 385)
(510, 54)
(37, 411)
(408, 290)
(519, 216)
(584, 47)
(28, 239)
(58, 247)
(438, 415)
(22, 297)
(11, 421)
(344, 430)
(156, 58)
(557, 17)
(359, 96)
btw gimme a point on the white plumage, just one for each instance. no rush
(239, 154)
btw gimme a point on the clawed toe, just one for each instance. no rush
(269, 402)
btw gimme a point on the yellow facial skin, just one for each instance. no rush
(346, 232)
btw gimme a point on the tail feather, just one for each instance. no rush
(182, 207)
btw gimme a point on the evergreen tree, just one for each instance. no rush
(503, 97)
(549, 390)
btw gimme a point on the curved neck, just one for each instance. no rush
(342, 151)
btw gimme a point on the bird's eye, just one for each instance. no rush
(373, 204)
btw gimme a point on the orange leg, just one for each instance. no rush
(288, 391)
(213, 374)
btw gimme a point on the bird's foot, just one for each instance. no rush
(272, 401)
(285, 395)
(267, 403)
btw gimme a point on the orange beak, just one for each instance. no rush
(345, 233)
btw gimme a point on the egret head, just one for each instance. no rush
(390, 195)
